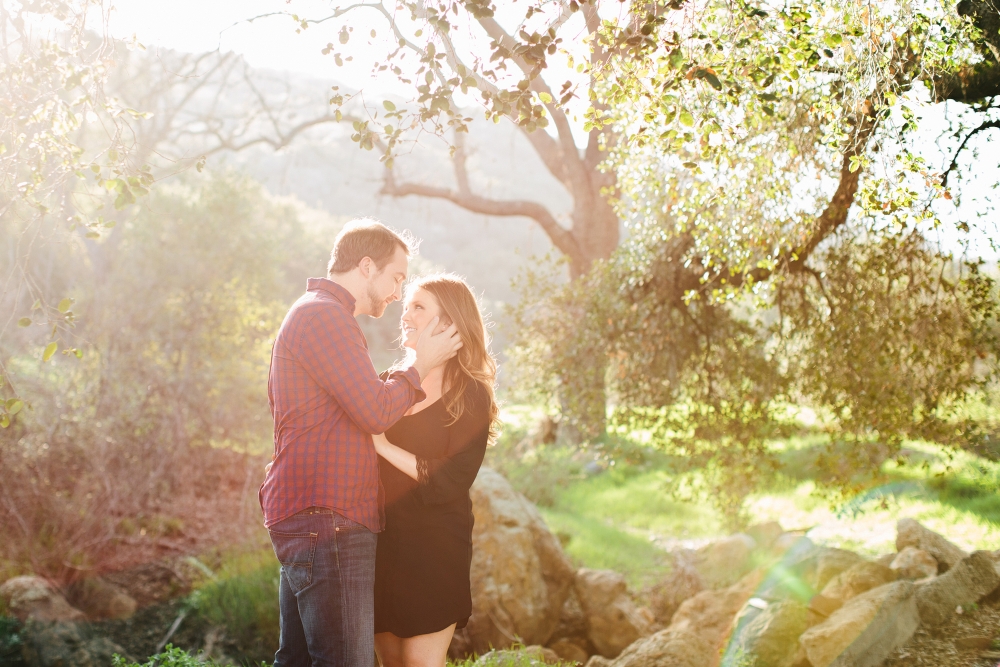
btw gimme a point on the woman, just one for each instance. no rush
(428, 460)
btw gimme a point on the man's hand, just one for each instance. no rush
(267, 468)
(433, 349)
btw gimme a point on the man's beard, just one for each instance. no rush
(376, 306)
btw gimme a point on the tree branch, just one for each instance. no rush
(561, 237)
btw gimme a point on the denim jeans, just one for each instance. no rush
(327, 590)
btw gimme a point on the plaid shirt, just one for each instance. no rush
(326, 399)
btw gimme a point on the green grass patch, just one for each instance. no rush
(243, 598)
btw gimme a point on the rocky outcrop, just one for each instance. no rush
(682, 584)
(831, 562)
(966, 582)
(674, 647)
(65, 645)
(613, 620)
(913, 563)
(910, 533)
(99, 599)
(865, 630)
(768, 636)
(520, 575)
(33, 598)
(710, 614)
(861, 577)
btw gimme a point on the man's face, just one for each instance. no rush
(386, 286)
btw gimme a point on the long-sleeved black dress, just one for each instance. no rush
(425, 552)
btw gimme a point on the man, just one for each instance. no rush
(321, 495)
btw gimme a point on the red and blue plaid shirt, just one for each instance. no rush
(326, 400)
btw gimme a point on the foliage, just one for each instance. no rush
(244, 600)
(11, 643)
(171, 657)
(65, 154)
(133, 444)
(515, 656)
(779, 252)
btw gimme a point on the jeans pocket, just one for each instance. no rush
(295, 552)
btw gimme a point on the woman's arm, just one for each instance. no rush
(397, 456)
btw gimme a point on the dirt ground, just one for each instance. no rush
(937, 647)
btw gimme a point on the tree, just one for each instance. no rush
(780, 252)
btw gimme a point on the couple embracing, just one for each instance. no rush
(366, 499)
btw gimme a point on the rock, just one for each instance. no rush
(671, 647)
(788, 540)
(572, 624)
(34, 598)
(520, 575)
(865, 630)
(765, 534)
(681, 584)
(66, 645)
(722, 563)
(966, 582)
(910, 533)
(570, 651)
(886, 559)
(537, 655)
(860, 578)
(913, 563)
(710, 614)
(99, 599)
(768, 636)
(832, 562)
(613, 620)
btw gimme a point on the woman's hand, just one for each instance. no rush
(399, 458)
(380, 443)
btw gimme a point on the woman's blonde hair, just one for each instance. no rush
(474, 364)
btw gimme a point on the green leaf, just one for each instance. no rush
(4, 421)
(50, 349)
(14, 405)
(24, 322)
(389, 106)
(687, 119)
(545, 97)
(65, 304)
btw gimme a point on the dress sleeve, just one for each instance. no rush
(442, 480)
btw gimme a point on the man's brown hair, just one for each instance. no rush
(366, 237)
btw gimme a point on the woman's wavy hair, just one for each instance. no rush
(474, 362)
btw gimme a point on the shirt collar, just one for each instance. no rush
(338, 292)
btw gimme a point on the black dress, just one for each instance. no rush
(425, 552)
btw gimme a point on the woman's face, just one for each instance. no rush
(419, 309)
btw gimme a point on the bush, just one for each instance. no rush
(244, 600)
(171, 657)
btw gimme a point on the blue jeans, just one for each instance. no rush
(327, 590)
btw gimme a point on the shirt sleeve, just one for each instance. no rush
(333, 351)
(442, 480)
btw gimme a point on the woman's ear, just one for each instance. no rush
(443, 324)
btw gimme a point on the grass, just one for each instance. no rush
(624, 519)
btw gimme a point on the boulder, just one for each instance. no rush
(673, 647)
(613, 620)
(914, 563)
(765, 534)
(830, 562)
(910, 533)
(65, 645)
(722, 563)
(536, 657)
(572, 624)
(860, 578)
(864, 631)
(710, 614)
(769, 636)
(34, 598)
(520, 575)
(570, 651)
(966, 582)
(787, 541)
(681, 584)
(99, 599)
